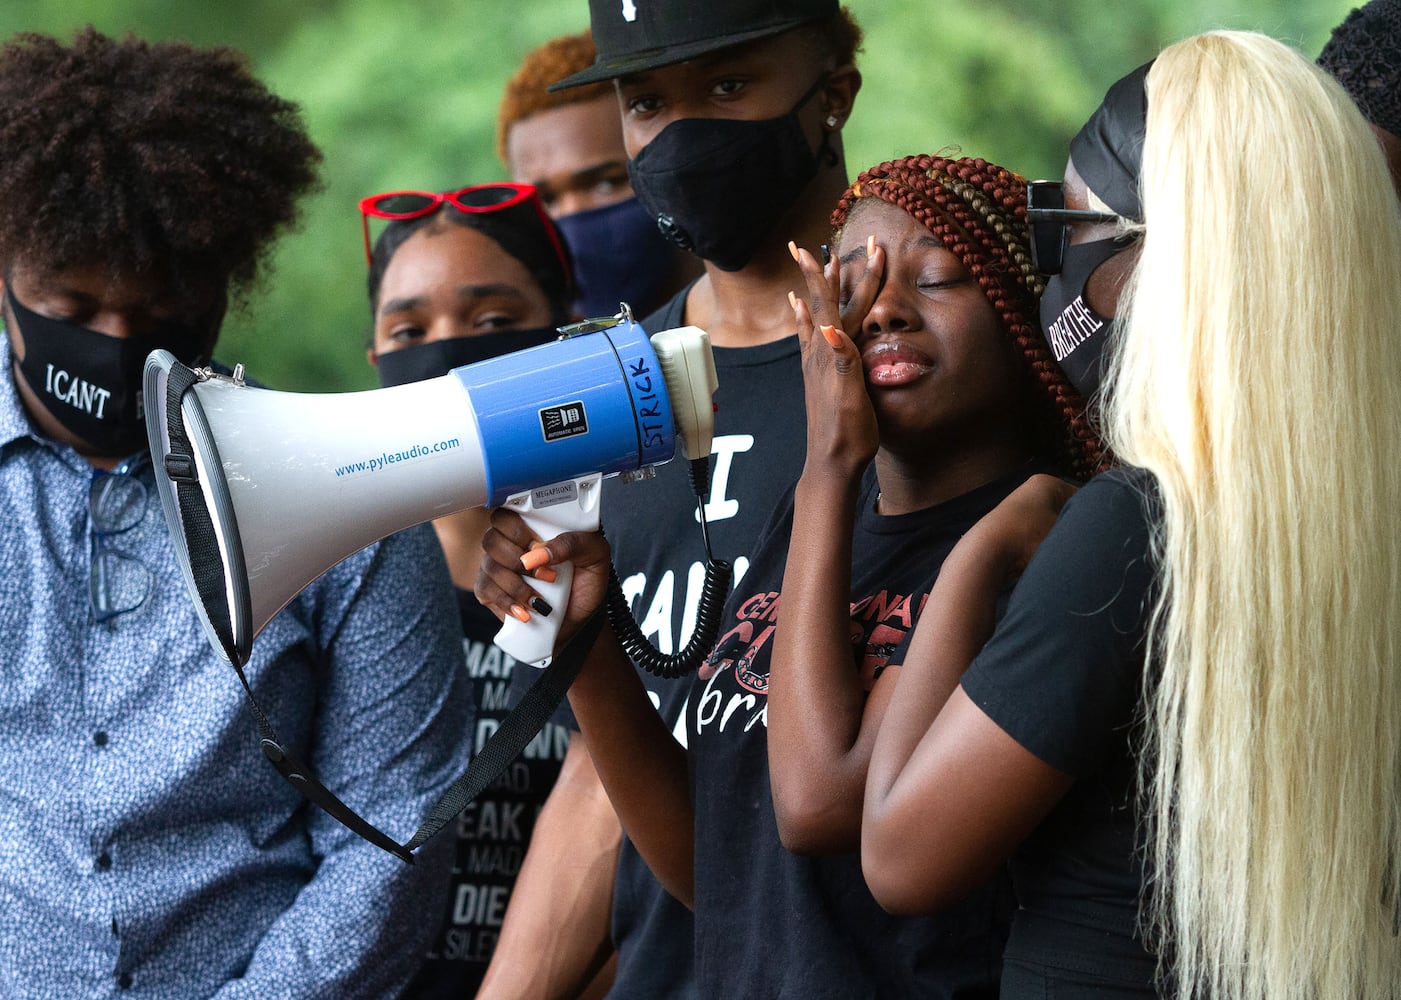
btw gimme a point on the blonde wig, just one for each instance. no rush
(1259, 380)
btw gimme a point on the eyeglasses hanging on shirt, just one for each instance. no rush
(118, 581)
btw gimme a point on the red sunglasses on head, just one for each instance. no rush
(476, 198)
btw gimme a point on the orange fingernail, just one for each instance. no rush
(870, 246)
(546, 574)
(793, 249)
(520, 614)
(535, 558)
(830, 334)
(793, 300)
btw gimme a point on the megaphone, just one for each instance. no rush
(263, 491)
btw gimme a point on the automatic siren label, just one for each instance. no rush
(564, 420)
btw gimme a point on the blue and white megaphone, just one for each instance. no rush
(293, 483)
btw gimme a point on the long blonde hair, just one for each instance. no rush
(1259, 380)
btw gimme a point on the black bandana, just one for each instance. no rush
(1108, 151)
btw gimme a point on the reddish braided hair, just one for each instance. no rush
(977, 210)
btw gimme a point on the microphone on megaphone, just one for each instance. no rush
(294, 482)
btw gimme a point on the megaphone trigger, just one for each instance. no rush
(571, 505)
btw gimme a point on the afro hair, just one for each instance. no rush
(1364, 55)
(153, 158)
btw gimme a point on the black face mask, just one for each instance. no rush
(90, 382)
(438, 357)
(717, 186)
(1077, 334)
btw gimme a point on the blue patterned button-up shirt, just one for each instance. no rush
(146, 847)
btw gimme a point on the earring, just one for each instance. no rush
(832, 121)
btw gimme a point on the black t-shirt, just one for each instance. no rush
(1063, 675)
(493, 832)
(771, 923)
(760, 438)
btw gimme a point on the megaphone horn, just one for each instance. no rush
(293, 482)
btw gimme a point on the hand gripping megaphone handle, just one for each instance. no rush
(689, 370)
(571, 505)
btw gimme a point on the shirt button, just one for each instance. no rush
(124, 981)
(100, 738)
(104, 861)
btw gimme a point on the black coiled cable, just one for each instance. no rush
(647, 656)
(718, 575)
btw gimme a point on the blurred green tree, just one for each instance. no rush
(404, 96)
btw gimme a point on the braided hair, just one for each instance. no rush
(977, 210)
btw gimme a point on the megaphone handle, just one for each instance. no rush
(533, 642)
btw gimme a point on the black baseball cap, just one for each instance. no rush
(636, 35)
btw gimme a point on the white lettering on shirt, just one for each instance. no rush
(724, 448)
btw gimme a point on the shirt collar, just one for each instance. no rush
(14, 419)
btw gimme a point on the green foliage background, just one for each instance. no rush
(404, 94)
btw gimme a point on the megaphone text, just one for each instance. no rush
(391, 457)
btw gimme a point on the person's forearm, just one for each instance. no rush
(817, 760)
(640, 763)
(957, 622)
(915, 854)
(556, 934)
(949, 794)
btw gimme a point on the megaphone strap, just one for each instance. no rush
(209, 582)
(521, 726)
(200, 540)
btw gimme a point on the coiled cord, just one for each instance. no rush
(718, 575)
